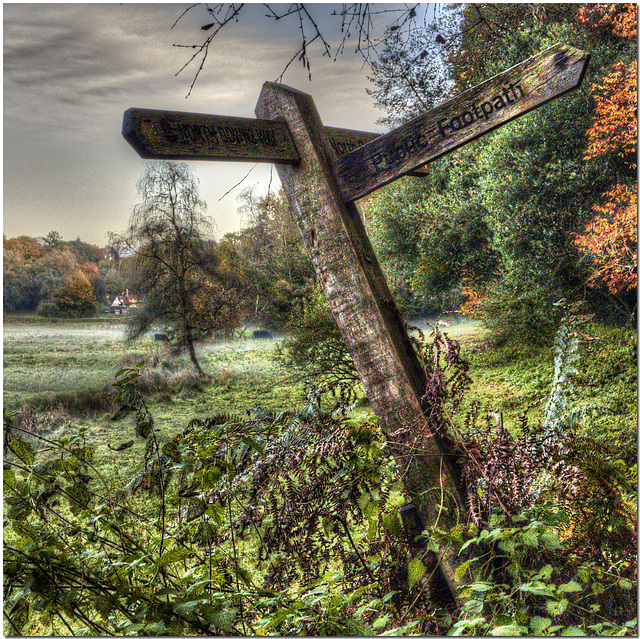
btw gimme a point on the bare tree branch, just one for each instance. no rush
(357, 20)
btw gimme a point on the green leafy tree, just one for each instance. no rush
(275, 265)
(429, 234)
(184, 284)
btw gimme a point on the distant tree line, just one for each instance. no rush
(57, 277)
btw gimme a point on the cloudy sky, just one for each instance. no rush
(71, 70)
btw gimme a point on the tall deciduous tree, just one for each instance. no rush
(185, 286)
(274, 262)
(611, 238)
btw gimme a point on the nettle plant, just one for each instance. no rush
(287, 523)
(552, 514)
(260, 523)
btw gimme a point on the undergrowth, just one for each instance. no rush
(287, 523)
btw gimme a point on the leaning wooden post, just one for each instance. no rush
(323, 170)
(365, 312)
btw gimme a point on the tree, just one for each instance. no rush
(611, 237)
(316, 349)
(76, 299)
(504, 212)
(184, 284)
(52, 239)
(275, 265)
(429, 233)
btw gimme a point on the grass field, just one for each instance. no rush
(52, 363)
(46, 365)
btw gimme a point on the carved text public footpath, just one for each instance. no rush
(322, 171)
(511, 94)
(395, 151)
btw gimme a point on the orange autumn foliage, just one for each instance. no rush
(615, 128)
(611, 238)
(621, 17)
(473, 305)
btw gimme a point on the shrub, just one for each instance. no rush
(316, 351)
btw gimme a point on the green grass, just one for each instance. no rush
(45, 364)
(68, 364)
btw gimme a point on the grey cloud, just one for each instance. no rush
(76, 47)
(72, 69)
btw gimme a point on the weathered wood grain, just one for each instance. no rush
(475, 112)
(177, 135)
(365, 311)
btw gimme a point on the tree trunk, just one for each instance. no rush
(188, 338)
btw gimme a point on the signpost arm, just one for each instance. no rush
(366, 314)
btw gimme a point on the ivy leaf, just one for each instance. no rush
(508, 631)
(530, 538)
(186, 609)
(132, 629)
(545, 572)
(143, 429)
(536, 588)
(9, 479)
(210, 477)
(550, 539)
(462, 569)
(391, 523)
(155, 629)
(416, 571)
(223, 620)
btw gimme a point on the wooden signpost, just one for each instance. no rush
(475, 112)
(323, 170)
(175, 135)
